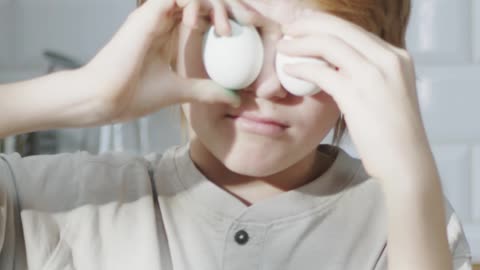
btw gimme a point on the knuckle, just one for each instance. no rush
(322, 39)
(405, 55)
(393, 61)
(372, 73)
(250, 18)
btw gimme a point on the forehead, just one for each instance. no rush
(273, 12)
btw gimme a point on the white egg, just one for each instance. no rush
(292, 84)
(234, 61)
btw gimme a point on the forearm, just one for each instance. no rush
(417, 235)
(57, 100)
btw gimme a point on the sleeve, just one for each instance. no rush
(33, 182)
(41, 195)
(457, 242)
(11, 245)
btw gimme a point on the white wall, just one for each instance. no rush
(444, 40)
(78, 29)
(443, 37)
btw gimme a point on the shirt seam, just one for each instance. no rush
(16, 214)
(380, 256)
(326, 205)
(191, 197)
(262, 258)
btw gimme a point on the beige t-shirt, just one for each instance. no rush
(83, 211)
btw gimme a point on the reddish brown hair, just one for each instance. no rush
(387, 19)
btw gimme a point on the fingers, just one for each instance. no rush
(152, 18)
(319, 23)
(134, 37)
(191, 14)
(330, 48)
(217, 12)
(214, 9)
(206, 91)
(323, 76)
(281, 13)
(238, 11)
(242, 13)
(220, 18)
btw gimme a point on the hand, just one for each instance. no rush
(199, 14)
(131, 75)
(372, 82)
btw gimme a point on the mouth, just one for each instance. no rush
(258, 124)
(259, 119)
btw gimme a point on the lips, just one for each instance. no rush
(259, 119)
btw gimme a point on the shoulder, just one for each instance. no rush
(457, 240)
(64, 180)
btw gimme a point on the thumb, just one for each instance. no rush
(125, 52)
(207, 91)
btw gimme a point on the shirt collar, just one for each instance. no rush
(316, 195)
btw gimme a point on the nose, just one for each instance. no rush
(267, 85)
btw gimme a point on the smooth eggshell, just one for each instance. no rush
(235, 61)
(292, 84)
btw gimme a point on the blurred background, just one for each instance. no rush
(40, 37)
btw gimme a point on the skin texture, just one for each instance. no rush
(231, 156)
(372, 83)
(374, 87)
(114, 86)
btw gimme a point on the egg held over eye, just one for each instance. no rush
(292, 84)
(234, 61)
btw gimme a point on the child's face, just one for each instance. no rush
(309, 118)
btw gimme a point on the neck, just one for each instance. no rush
(252, 189)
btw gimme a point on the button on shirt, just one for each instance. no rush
(116, 211)
(241, 237)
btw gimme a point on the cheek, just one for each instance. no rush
(325, 106)
(204, 117)
(324, 98)
(319, 114)
(189, 61)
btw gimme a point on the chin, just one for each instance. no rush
(247, 169)
(252, 164)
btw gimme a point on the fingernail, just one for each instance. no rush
(230, 91)
(233, 93)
